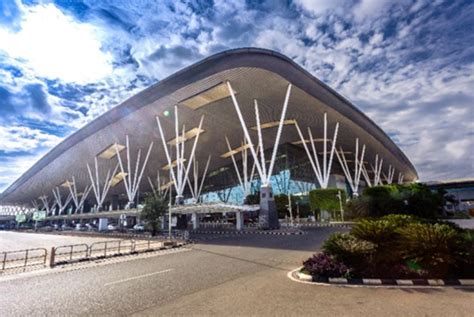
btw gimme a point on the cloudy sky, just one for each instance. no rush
(409, 65)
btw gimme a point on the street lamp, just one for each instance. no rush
(339, 196)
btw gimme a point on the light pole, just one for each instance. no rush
(339, 196)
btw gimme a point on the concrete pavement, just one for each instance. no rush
(224, 276)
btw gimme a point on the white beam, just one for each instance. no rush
(321, 176)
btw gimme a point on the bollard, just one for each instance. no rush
(51, 257)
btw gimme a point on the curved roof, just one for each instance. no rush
(254, 73)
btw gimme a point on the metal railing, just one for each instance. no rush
(70, 253)
(22, 259)
(103, 249)
(109, 248)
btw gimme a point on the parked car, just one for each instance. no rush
(138, 227)
(111, 227)
(66, 227)
(47, 228)
(90, 226)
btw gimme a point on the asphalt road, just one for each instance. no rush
(221, 275)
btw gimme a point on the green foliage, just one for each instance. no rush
(378, 232)
(400, 221)
(154, 208)
(423, 202)
(383, 200)
(253, 199)
(432, 246)
(348, 249)
(399, 246)
(415, 199)
(282, 202)
(326, 199)
(357, 208)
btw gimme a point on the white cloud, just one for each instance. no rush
(55, 46)
(24, 139)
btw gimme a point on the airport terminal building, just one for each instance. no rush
(236, 123)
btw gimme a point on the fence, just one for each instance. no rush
(103, 249)
(22, 259)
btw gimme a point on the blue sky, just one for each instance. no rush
(409, 65)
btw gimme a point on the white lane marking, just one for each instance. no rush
(137, 277)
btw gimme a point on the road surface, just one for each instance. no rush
(228, 275)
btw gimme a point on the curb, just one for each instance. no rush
(297, 276)
(249, 232)
(348, 226)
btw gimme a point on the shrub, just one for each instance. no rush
(323, 265)
(431, 246)
(399, 221)
(383, 234)
(348, 249)
(464, 266)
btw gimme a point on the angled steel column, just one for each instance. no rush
(366, 176)
(377, 170)
(400, 178)
(321, 175)
(182, 171)
(245, 181)
(268, 216)
(100, 194)
(359, 161)
(62, 205)
(78, 202)
(131, 187)
(391, 172)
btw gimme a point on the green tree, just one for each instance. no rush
(154, 208)
(326, 199)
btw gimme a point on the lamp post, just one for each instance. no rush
(339, 196)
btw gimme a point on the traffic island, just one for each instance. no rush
(395, 250)
(299, 275)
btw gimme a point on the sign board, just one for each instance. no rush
(20, 218)
(39, 215)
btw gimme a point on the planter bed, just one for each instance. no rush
(301, 276)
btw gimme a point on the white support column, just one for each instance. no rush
(99, 193)
(400, 178)
(131, 186)
(366, 176)
(35, 205)
(157, 188)
(245, 180)
(49, 209)
(246, 132)
(77, 198)
(359, 161)
(321, 175)
(62, 205)
(391, 173)
(377, 170)
(182, 171)
(195, 219)
(265, 174)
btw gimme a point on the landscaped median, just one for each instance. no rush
(394, 250)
